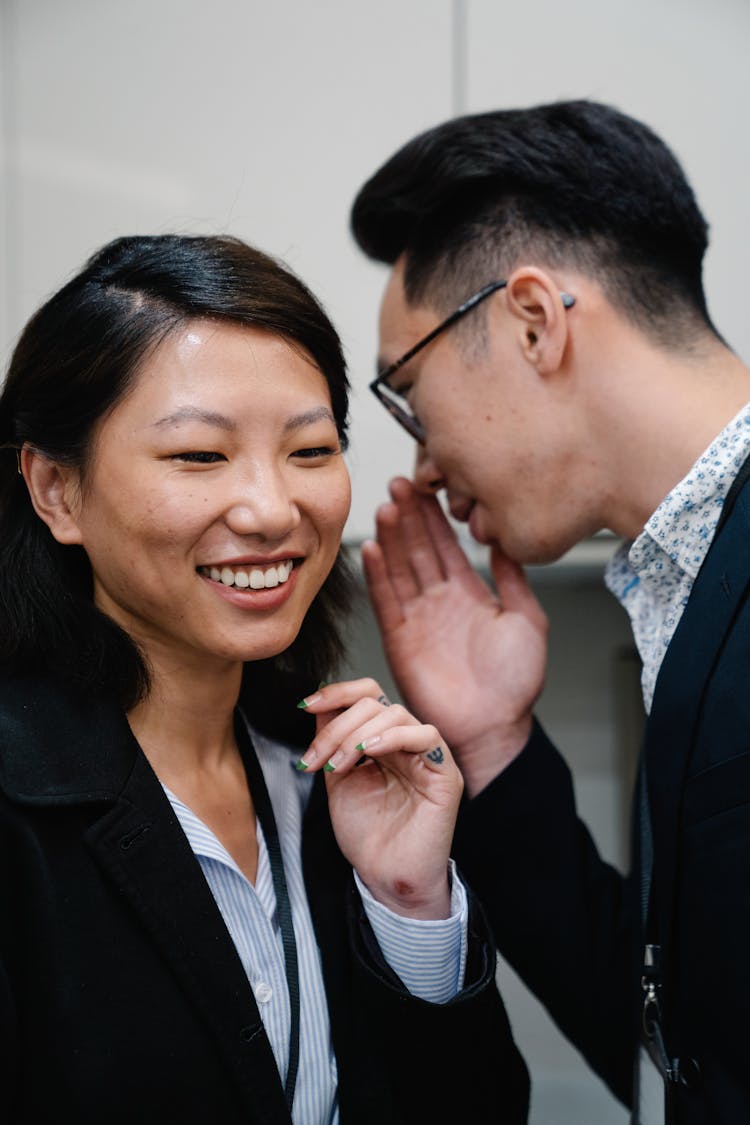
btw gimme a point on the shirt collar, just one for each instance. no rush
(684, 524)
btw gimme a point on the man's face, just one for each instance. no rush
(503, 441)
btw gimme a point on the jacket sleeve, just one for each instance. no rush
(446, 1062)
(563, 918)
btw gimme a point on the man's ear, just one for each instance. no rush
(54, 490)
(543, 327)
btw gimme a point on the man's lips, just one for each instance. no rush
(465, 510)
(460, 509)
(476, 530)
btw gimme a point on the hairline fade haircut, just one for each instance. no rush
(569, 183)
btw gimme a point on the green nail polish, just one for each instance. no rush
(360, 746)
(309, 700)
(329, 768)
(300, 765)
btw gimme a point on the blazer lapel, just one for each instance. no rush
(140, 846)
(716, 597)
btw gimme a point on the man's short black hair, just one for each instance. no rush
(573, 183)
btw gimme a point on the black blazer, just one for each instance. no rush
(122, 998)
(570, 924)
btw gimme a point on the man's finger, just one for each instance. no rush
(385, 602)
(513, 589)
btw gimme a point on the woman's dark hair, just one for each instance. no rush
(77, 357)
(572, 183)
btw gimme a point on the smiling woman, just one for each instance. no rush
(191, 928)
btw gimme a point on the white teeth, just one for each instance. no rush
(254, 577)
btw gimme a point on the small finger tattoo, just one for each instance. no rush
(384, 700)
(435, 755)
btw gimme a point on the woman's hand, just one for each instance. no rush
(393, 794)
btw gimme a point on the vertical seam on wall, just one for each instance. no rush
(460, 16)
(8, 162)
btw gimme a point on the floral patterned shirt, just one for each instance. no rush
(652, 576)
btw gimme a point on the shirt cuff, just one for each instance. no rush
(429, 956)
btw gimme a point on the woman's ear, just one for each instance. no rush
(54, 490)
(537, 303)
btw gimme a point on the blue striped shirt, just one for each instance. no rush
(429, 957)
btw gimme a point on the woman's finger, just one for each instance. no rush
(345, 729)
(342, 693)
(386, 744)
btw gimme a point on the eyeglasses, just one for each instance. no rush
(395, 400)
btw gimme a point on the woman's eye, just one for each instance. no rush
(198, 457)
(315, 451)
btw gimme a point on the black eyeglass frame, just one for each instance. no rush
(380, 387)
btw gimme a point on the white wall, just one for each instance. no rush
(253, 118)
(264, 119)
(679, 65)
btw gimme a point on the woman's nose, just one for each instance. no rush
(262, 505)
(427, 476)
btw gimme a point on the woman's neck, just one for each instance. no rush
(186, 721)
(186, 730)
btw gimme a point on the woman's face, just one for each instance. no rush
(214, 503)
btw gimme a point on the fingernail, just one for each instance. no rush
(300, 765)
(308, 700)
(366, 743)
(335, 761)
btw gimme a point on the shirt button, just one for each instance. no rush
(263, 992)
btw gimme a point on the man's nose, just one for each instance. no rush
(427, 476)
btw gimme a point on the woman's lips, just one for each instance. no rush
(265, 597)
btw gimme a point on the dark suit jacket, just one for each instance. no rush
(570, 924)
(122, 998)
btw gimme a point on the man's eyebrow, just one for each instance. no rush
(196, 414)
(317, 414)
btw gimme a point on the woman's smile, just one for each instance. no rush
(253, 586)
(253, 576)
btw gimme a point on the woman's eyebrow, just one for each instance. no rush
(213, 418)
(196, 414)
(306, 417)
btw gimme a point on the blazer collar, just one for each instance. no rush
(716, 598)
(56, 747)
